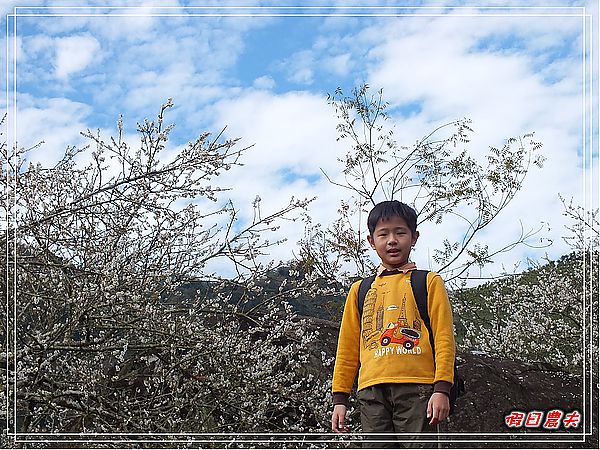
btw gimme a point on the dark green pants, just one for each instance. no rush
(396, 409)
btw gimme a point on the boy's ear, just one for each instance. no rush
(415, 237)
(371, 241)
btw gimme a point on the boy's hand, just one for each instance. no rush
(438, 408)
(338, 419)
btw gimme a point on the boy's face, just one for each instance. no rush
(393, 240)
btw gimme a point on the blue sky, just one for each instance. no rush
(510, 70)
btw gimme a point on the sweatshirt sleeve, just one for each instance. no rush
(442, 326)
(348, 349)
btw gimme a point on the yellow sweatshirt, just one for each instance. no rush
(392, 346)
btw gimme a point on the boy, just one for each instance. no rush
(400, 388)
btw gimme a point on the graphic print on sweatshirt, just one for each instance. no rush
(386, 329)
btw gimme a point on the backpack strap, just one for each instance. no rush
(418, 282)
(364, 287)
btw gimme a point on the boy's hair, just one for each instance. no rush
(392, 208)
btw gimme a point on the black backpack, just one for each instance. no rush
(418, 282)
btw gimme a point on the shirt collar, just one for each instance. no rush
(382, 271)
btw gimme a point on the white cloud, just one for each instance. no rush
(299, 67)
(56, 121)
(264, 82)
(74, 54)
(341, 64)
(295, 129)
(293, 136)
(37, 44)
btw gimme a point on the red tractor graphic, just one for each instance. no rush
(404, 336)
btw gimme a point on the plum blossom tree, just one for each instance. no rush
(115, 322)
